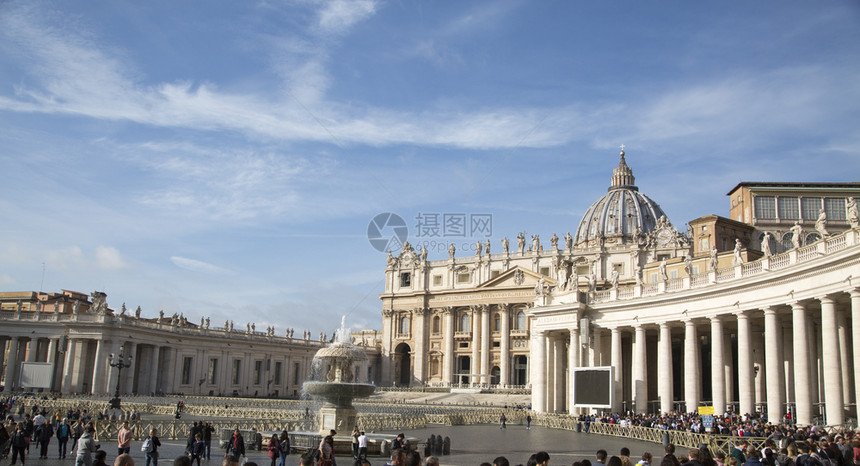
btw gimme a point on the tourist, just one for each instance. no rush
(500, 461)
(182, 461)
(236, 445)
(646, 459)
(18, 443)
(753, 457)
(284, 448)
(600, 457)
(614, 461)
(123, 439)
(63, 433)
(412, 458)
(695, 457)
(326, 449)
(397, 458)
(274, 450)
(738, 451)
(150, 448)
(77, 432)
(542, 458)
(198, 449)
(99, 458)
(86, 447)
(123, 460)
(433, 461)
(44, 433)
(207, 438)
(362, 446)
(398, 443)
(355, 434)
(306, 460)
(502, 421)
(720, 459)
(782, 459)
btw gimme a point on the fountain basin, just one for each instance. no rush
(338, 394)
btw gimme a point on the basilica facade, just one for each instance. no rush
(708, 316)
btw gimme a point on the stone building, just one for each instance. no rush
(736, 328)
(78, 336)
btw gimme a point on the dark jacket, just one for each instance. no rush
(236, 446)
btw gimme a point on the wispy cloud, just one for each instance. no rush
(338, 16)
(195, 265)
(109, 258)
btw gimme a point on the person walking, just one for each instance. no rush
(44, 433)
(18, 443)
(123, 439)
(503, 421)
(150, 448)
(63, 433)
(355, 435)
(198, 449)
(207, 439)
(86, 447)
(362, 446)
(284, 448)
(528, 421)
(236, 445)
(273, 448)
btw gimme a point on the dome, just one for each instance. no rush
(622, 212)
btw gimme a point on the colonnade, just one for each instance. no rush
(799, 357)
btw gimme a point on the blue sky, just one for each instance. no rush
(224, 158)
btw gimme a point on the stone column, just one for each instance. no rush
(71, 359)
(99, 368)
(640, 371)
(129, 372)
(844, 357)
(538, 370)
(718, 373)
(802, 375)
(746, 397)
(855, 333)
(387, 348)
(558, 377)
(664, 369)
(12, 365)
(475, 366)
(448, 357)
(773, 366)
(419, 318)
(486, 337)
(596, 347)
(33, 350)
(692, 376)
(505, 357)
(572, 363)
(616, 363)
(111, 371)
(153, 364)
(729, 369)
(549, 370)
(832, 365)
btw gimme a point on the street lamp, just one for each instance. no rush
(120, 362)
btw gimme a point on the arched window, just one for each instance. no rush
(404, 325)
(497, 323)
(521, 320)
(437, 326)
(465, 322)
(811, 238)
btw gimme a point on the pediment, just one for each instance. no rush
(516, 277)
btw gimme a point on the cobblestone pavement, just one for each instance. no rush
(470, 446)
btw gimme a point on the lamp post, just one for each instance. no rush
(120, 362)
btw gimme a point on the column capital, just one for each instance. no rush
(827, 299)
(421, 311)
(717, 318)
(798, 306)
(855, 293)
(769, 310)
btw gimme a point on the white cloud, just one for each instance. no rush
(198, 266)
(109, 257)
(68, 258)
(6, 280)
(337, 16)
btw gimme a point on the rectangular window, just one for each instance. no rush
(809, 207)
(835, 208)
(437, 280)
(765, 207)
(464, 344)
(186, 370)
(544, 271)
(405, 279)
(704, 244)
(278, 372)
(653, 278)
(695, 270)
(497, 344)
(495, 273)
(789, 208)
(258, 372)
(583, 270)
(464, 277)
(237, 366)
(673, 274)
(212, 375)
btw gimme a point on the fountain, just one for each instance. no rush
(334, 379)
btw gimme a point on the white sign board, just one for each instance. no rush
(37, 374)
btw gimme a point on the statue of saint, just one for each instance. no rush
(853, 213)
(160, 315)
(206, 326)
(122, 310)
(56, 307)
(535, 243)
(479, 248)
(75, 307)
(737, 258)
(506, 245)
(568, 241)
(554, 241)
(765, 245)
(137, 313)
(487, 247)
(614, 278)
(821, 224)
(231, 326)
(521, 242)
(451, 251)
(663, 274)
(796, 235)
(253, 328)
(201, 322)
(423, 253)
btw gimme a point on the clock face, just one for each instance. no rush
(664, 236)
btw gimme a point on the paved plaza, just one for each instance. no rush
(470, 446)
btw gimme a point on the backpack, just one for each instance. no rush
(146, 446)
